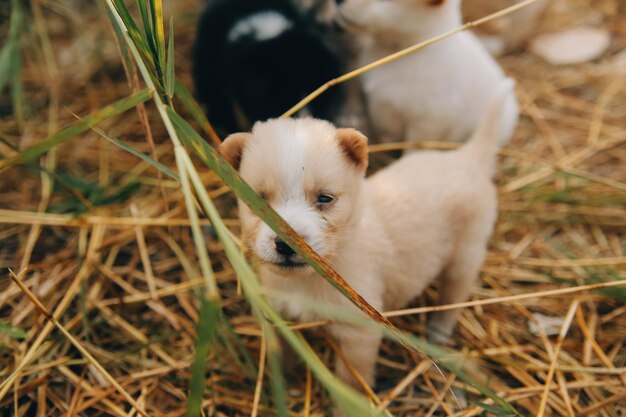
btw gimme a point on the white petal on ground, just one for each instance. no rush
(551, 325)
(572, 46)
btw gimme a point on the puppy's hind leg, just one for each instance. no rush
(455, 286)
(360, 348)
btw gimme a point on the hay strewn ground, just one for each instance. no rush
(112, 238)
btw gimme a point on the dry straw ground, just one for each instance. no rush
(113, 239)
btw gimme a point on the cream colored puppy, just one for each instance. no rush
(436, 94)
(428, 215)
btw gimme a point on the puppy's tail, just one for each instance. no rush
(496, 126)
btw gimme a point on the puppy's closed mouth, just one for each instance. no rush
(289, 264)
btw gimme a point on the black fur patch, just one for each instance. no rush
(261, 79)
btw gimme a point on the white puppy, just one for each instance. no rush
(436, 94)
(428, 215)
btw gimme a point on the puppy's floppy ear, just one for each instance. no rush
(354, 146)
(232, 148)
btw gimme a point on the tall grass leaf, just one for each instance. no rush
(5, 64)
(156, 7)
(145, 18)
(277, 380)
(158, 39)
(84, 195)
(494, 409)
(205, 338)
(133, 30)
(77, 127)
(137, 153)
(232, 341)
(124, 13)
(243, 191)
(614, 292)
(185, 171)
(606, 276)
(12, 332)
(170, 81)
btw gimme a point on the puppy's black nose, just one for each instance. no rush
(283, 248)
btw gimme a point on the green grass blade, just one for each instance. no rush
(205, 338)
(124, 13)
(76, 128)
(156, 7)
(145, 17)
(12, 332)
(277, 381)
(495, 410)
(133, 30)
(158, 40)
(198, 237)
(243, 191)
(240, 354)
(137, 153)
(170, 80)
(5, 64)
(148, 30)
(610, 274)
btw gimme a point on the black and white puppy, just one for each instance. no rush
(254, 59)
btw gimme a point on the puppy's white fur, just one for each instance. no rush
(428, 215)
(438, 93)
(260, 26)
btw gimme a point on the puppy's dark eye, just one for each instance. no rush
(264, 195)
(324, 199)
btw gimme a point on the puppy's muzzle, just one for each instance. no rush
(288, 257)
